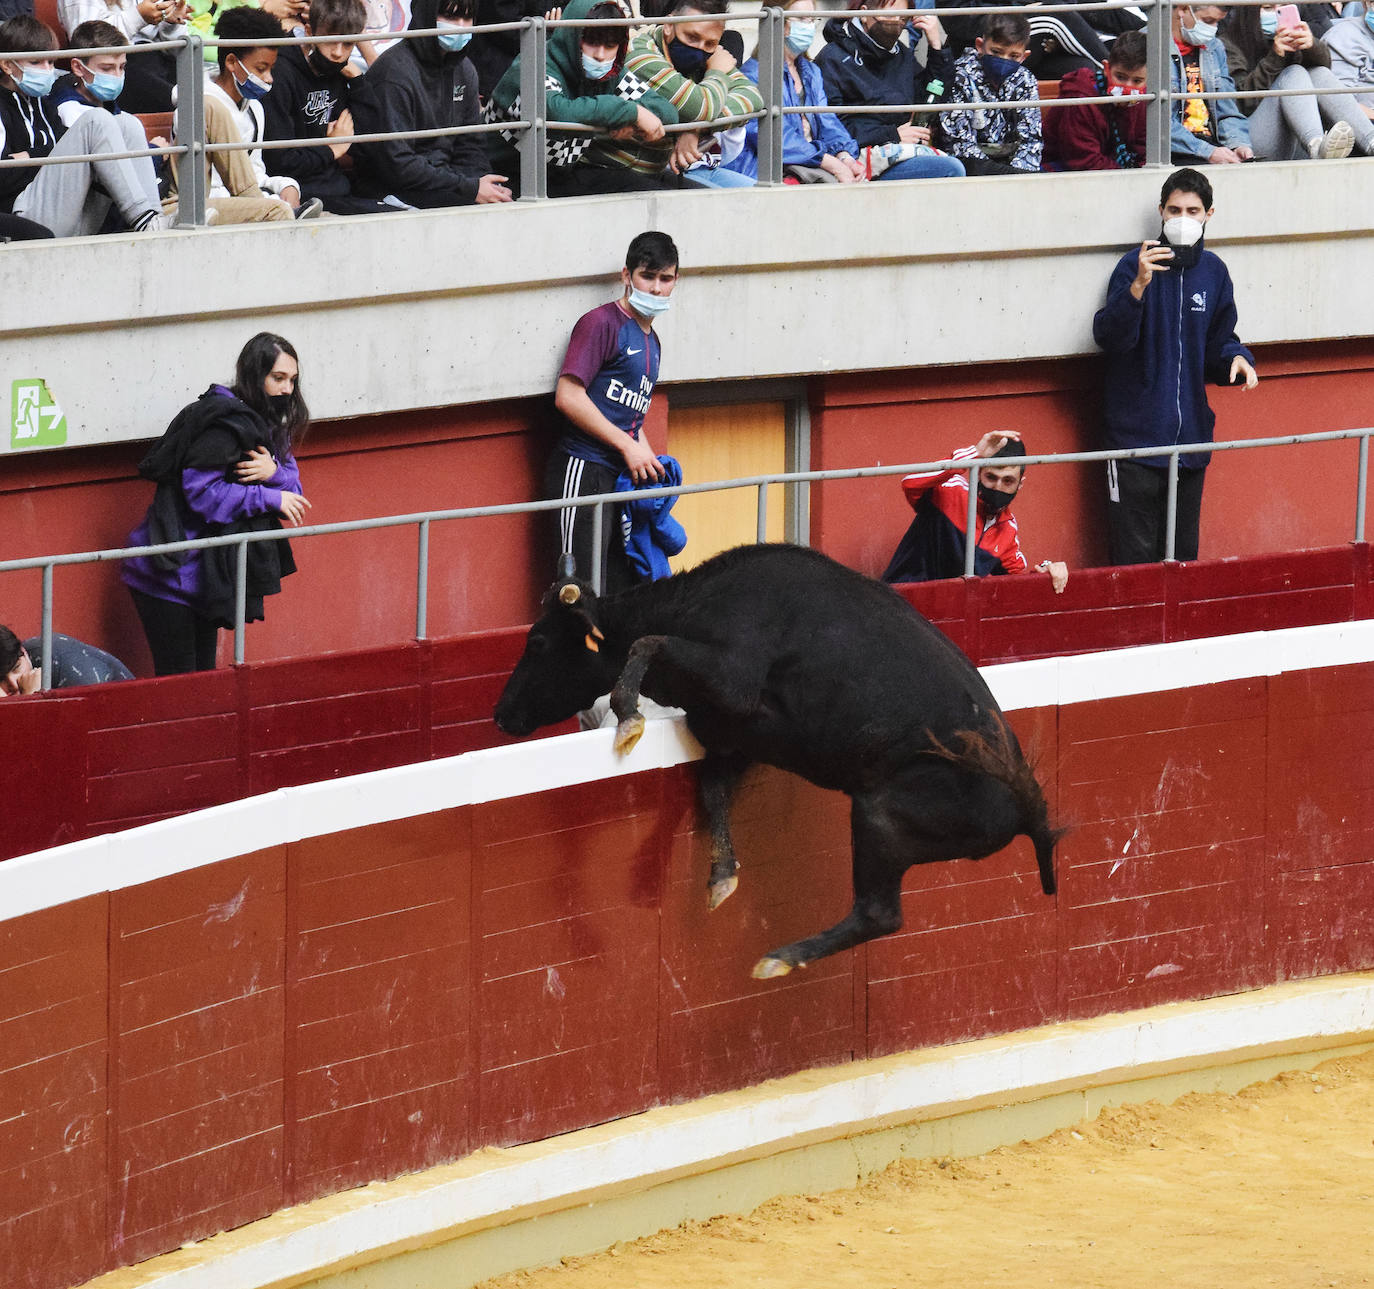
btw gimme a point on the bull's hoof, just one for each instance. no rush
(628, 733)
(722, 891)
(768, 968)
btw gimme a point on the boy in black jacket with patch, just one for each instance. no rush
(425, 84)
(310, 95)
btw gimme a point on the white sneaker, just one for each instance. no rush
(1337, 142)
(311, 208)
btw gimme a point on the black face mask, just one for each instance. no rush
(319, 64)
(280, 404)
(992, 501)
(688, 59)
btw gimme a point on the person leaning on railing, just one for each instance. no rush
(426, 83)
(1262, 55)
(585, 82)
(685, 64)
(936, 543)
(72, 200)
(311, 93)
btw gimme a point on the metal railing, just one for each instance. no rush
(533, 127)
(422, 521)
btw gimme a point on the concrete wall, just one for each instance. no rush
(467, 306)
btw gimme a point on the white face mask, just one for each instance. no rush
(1182, 231)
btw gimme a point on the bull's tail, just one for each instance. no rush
(1000, 758)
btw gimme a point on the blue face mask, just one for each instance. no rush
(687, 59)
(1269, 22)
(251, 87)
(649, 306)
(800, 36)
(453, 40)
(36, 83)
(105, 87)
(1369, 19)
(997, 69)
(596, 69)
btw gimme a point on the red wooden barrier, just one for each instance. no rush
(199, 1050)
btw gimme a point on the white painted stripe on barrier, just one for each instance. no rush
(661, 1143)
(117, 860)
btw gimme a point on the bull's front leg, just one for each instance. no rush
(703, 670)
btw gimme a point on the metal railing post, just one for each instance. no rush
(971, 525)
(1363, 487)
(761, 531)
(772, 68)
(1171, 509)
(47, 627)
(240, 599)
(191, 176)
(1159, 118)
(534, 111)
(598, 527)
(422, 582)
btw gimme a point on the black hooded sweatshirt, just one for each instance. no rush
(307, 94)
(416, 85)
(214, 433)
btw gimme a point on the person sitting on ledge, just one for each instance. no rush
(933, 547)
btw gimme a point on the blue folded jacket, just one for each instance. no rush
(651, 533)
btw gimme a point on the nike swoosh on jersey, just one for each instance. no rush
(628, 352)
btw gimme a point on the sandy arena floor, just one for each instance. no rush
(1271, 1187)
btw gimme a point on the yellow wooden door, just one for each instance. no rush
(727, 442)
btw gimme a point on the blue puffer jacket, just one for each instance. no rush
(1233, 130)
(1162, 350)
(651, 533)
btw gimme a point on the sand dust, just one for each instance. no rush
(1271, 1186)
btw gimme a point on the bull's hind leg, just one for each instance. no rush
(880, 859)
(717, 779)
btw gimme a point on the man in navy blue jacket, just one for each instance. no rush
(1164, 341)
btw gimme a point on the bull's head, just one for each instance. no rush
(565, 666)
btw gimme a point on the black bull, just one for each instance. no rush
(778, 654)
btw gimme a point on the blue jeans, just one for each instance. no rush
(925, 168)
(719, 177)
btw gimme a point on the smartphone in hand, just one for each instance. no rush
(1289, 16)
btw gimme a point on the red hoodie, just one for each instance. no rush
(1080, 137)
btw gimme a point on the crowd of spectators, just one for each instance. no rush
(651, 100)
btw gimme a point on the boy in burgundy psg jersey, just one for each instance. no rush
(603, 393)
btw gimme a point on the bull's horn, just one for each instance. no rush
(567, 567)
(569, 594)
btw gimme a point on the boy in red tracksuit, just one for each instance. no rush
(933, 547)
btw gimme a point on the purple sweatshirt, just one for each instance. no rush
(211, 500)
